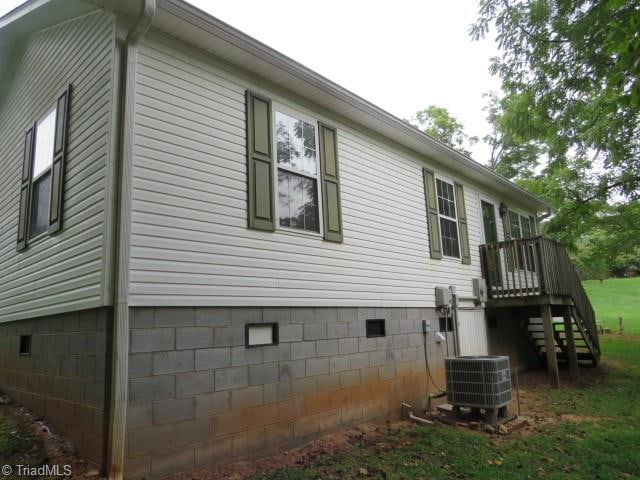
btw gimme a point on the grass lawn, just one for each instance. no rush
(589, 429)
(616, 297)
(18, 443)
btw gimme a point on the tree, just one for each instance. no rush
(568, 124)
(438, 123)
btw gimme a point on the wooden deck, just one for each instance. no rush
(537, 272)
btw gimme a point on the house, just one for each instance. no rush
(210, 252)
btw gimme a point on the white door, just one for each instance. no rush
(472, 332)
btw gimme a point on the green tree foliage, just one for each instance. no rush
(568, 124)
(438, 123)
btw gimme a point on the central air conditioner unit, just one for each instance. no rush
(478, 382)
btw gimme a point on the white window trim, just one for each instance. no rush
(40, 175)
(455, 203)
(278, 107)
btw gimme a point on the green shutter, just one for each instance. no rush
(25, 189)
(462, 225)
(431, 202)
(506, 226)
(332, 212)
(260, 195)
(59, 157)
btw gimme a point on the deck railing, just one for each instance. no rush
(527, 267)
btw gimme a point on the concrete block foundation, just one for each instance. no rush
(198, 396)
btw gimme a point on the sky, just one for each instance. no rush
(401, 55)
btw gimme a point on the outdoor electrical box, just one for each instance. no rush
(443, 297)
(479, 289)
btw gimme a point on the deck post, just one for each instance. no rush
(550, 346)
(572, 356)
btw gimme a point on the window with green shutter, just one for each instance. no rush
(42, 189)
(302, 170)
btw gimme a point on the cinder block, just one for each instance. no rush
(210, 358)
(139, 416)
(359, 360)
(247, 442)
(172, 410)
(400, 341)
(327, 315)
(194, 337)
(213, 317)
(303, 350)
(317, 366)
(77, 344)
(245, 356)
(352, 414)
(191, 431)
(170, 461)
(230, 336)
(290, 409)
(327, 347)
(347, 315)
(141, 317)
(291, 370)
(304, 386)
(317, 423)
(173, 362)
(315, 331)
(357, 329)
(232, 377)
(242, 315)
(328, 382)
(350, 379)
(337, 330)
(148, 440)
(212, 403)
(194, 383)
(382, 312)
(263, 373)
(138, 467)
(213, 451)
(259, 416)
(318, 402)
(399, 313)
(339, 363)
(140, 365)
(366, 344)
(246, 397)
(290, 333)
(175, 317)
(279, 315)
(276, 353)
(368, 375)
(227, 423)
(303, 315)
(150, 340)
(366, 313)
(380, 357)
(279, 433)
(347, 345)
(151, 388)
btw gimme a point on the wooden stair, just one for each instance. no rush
(585, 350)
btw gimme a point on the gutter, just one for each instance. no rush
(120, 336)
(214, 26)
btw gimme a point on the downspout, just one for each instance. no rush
(120, 343)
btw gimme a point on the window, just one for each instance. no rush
(41, 174)
(375, 328)
(446, 324)
(260, 334)
(297, 157)
(25, 344)
(448, 219)
(522, 227)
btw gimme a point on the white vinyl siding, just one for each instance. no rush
(190, 241)
(63, 272)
